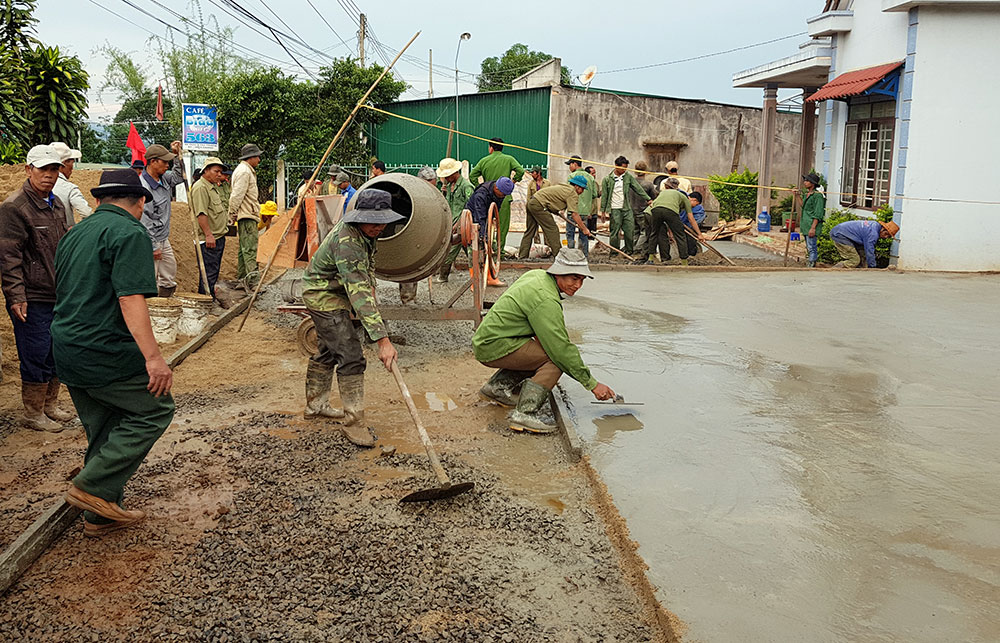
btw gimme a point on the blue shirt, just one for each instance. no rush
(348, 195)
(479, 204)
(699, 215)
(864, 232)
(156, 213)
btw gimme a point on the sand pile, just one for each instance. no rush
(12, 177)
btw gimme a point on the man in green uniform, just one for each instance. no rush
(105, 350)
(666, 211)
(576, 218)
(457, 191)
(524, 335)
(340, 279)
(813, 207)
(492, 167)
(207, 204)
(541, 207)
(617, 188)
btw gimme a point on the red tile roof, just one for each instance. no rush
(853, 83)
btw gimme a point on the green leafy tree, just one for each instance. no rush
(57, 86)
(735, 202)
(17, 38)
(498, 73)
(95, 145)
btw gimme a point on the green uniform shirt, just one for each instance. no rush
(531, 307)
(106, 256)
(205, 199)
(457, 194)
(494, 166)
(629, 182)
(812, 208)
(341, 276)
(672, 200)
(225, 189)
(558, 197)
(586, 199)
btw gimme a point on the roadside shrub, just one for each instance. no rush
(735, 202)
(828, 252)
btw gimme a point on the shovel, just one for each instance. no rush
(445, 489)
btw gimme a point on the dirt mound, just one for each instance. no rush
(12, 177)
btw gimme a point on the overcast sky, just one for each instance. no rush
(611, 35)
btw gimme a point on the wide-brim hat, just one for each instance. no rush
(212, 160)
(570, 261)
(447, 167)
(812, 178)
(891, 226)
(372, 206)
(578, 181)
(157, 151)
(138, 164)
(123, 182)
(249, 151)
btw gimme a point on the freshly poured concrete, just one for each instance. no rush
(818, 456)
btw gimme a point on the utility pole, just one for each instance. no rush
(430, 73)
(361, 39)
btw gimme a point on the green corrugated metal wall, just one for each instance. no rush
(520, 117)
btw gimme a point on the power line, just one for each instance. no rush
(323, 18)
(703, 56)
(273, 32)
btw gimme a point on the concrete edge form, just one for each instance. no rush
(34, 541)
(567, 427)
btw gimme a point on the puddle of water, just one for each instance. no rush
(608, 425)
(432, 401)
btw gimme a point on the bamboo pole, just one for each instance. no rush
(312, 179)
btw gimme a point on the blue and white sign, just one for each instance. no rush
(200, 128)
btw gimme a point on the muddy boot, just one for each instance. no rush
(33, 397)
(442, 276)
(501, 388)
(52, 408)
(318, 380)
(165, 291)
(352, 394)
(526, 416)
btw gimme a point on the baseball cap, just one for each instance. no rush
(43, 156)
(505, 185)
(65, 152)
(157, 151)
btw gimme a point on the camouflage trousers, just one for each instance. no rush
(339, 341)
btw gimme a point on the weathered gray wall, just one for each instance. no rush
(600, 126)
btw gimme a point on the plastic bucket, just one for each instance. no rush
(163, 314)
(194, 313)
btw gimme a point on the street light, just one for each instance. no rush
(464, 36)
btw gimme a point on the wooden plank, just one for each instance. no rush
(34, 541)
(198, 341)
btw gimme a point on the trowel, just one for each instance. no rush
(619, 400)
(445, 488)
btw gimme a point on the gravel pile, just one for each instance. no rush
(309, 551)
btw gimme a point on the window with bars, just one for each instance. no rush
(868, 138)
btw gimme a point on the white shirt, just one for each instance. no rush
(72, 199)
(618, 193)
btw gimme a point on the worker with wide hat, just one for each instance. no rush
(457, 191)
(338, 281)
(524, 336)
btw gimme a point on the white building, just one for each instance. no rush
(899, 123)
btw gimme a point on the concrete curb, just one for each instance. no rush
(567, 426)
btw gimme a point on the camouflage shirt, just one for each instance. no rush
(341, 276)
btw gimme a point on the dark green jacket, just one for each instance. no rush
(629, 182)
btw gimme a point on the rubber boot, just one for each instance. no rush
(684, 262)
(52, 408)
(493, 281)
(33, 397)
(318, 380)
(442, 276)
(526, 416)
(352, 394)
(501, 388)
(165, 291)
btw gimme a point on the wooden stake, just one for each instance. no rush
(312, 179)
(194, 230)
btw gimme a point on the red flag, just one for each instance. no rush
(159, 102)
(135, 144)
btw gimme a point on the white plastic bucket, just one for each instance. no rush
(194, 313)
(163, 314)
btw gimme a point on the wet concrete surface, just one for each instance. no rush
(817, 456)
